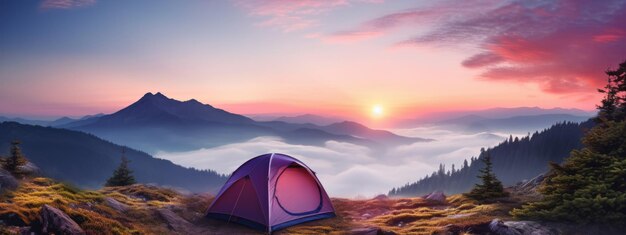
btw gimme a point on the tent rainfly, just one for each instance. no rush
(271, 192)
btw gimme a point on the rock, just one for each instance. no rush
(370, 231)
(7, 181)
(530, 228)
(55, 221)
(175, 222)
(115, 204)
(437, 196)
(29, 169)
(499, 227)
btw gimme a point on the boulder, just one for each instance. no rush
(437, 196)
(55, 221)
(115, 204)
(7, 181)
(499, 227)
(531, 228)
(175, 222)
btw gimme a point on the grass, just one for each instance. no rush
(406, 215)
(90, 210)
(88, 207)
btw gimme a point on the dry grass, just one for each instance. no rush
(405, 215)
(89, 210)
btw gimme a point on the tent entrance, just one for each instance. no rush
(297, 192)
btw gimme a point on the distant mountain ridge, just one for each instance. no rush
(476, 123)
(57, 122)
(494, 113)
(514, 160)
(309, 118)
(87, 161)
(158, 123)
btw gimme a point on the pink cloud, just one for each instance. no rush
(292, 15)
(65, 4)
(562, 45)
(443, 11)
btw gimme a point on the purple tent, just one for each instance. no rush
(271, 192)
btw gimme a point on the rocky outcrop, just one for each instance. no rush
(528, 188)
(437, 196)
(7, 181)
(499, 227)
(115, 204)
(175, 222)
(55, 221)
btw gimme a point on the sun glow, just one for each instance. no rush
(377, 111)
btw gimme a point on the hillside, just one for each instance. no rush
(87, 161)
(144, 209)
(514, 160)
(158, 123)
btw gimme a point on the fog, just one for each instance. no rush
(349, 170)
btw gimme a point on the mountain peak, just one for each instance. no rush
(193, 101)
(155, 96)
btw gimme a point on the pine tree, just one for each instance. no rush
(491, 187)
(122, 176)
(590, 186)
(17, 159)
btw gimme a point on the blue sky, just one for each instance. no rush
(341, 57)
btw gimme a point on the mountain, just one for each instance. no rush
(356, 132)
(158, 123)
(57, 122)
(493, 113)
(309, 118)
(87, 161)
(61, 121)
(24, 121)
(476, 123)
(514, 160)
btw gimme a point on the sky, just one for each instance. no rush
(328, 57)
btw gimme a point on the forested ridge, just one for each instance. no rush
(514, 160)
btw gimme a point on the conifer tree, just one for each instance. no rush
(491, 187)
(17, 159)
(122, 176)
(590, 186)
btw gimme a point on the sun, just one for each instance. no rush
(377, 111)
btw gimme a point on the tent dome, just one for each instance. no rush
(271, 192)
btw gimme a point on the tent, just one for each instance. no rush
(271, 192)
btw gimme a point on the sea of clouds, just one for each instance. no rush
(349, 170)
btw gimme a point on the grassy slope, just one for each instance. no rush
(89, 210)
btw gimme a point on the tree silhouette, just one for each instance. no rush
(122, 176)
(491, 187)
(17, 159)
(590, 186)
(613, 106)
